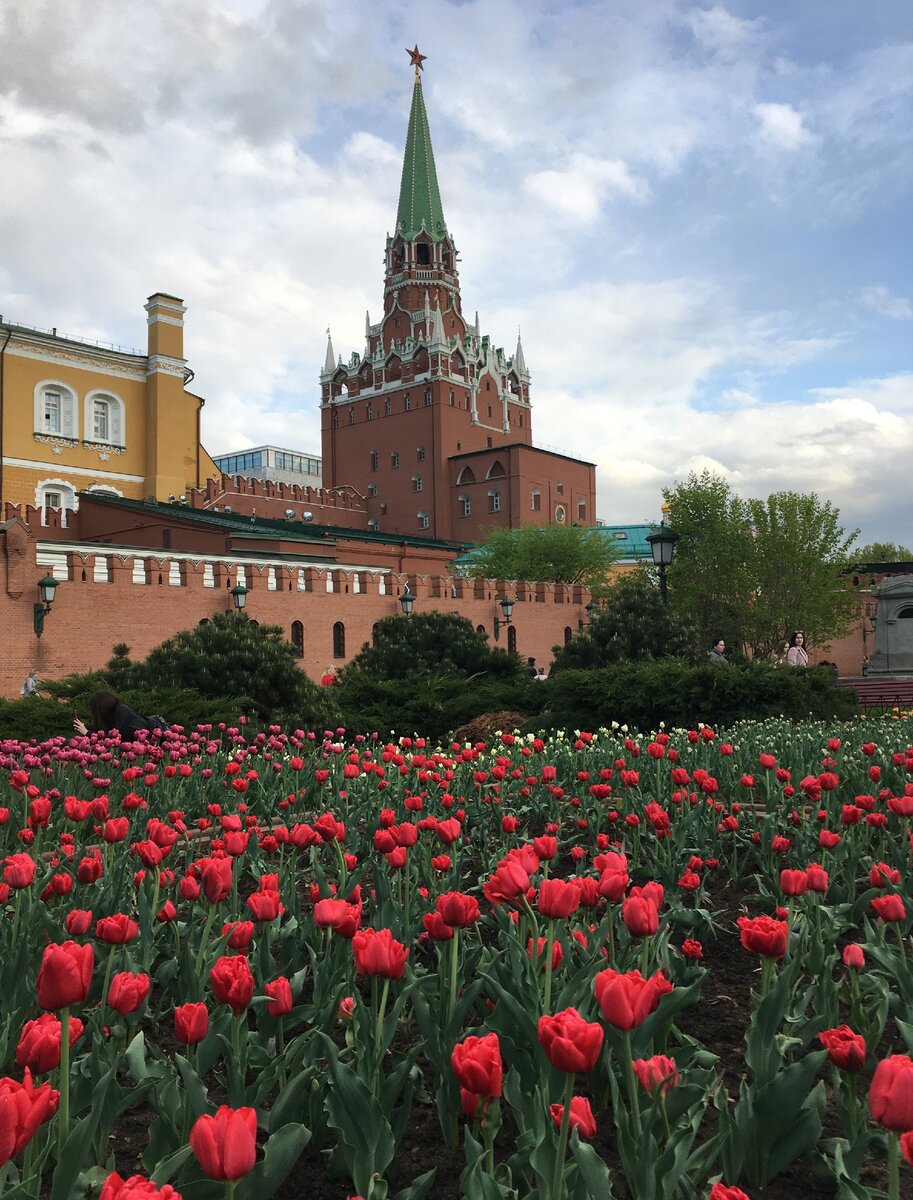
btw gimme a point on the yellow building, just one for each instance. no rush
(78, 416)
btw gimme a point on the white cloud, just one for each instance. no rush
(886, 303)
(581, 188)
(717, 29)
(782, 126)
(604, 187)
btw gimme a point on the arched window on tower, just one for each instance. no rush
(339, 640)
(298, 638)
(351, 416)
(494, 500)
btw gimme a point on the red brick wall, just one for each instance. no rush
(89, 618)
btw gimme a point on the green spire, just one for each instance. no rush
(419, 197)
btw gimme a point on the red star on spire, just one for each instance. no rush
(416, 58)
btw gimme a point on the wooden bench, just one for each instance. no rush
(875, 692)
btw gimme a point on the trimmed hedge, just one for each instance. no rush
(673, 693)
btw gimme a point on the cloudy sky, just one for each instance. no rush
(698, 215)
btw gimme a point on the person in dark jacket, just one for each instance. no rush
(108, 713)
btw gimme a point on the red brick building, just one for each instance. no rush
(431, 422)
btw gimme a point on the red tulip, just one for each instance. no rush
(640, 915)
(78, 921)
(128, 992)
(581, 1117)
(232, 981)
(763, 935)
(191, 1023)
(906, 1146)
(508, 882)
(239, 934)
(854, 957)
(626, 1000)
(558, 898)
(377, 952)
(19, 870)
(215, 877)
(889, 907)
(340, 916)
(23, 1107)
(116, 930)
(39, 1042)
(436, 927)
(280, 996)
(65, 975)
(891, 1093)
(226, 1145)
(656, 1073)
(457, 909)
(793, 883)
(264, 906)
(476, 1062)
(845, 1048)
(570, 1042)
(817, 878)
(723, 1191)
(136, 1188)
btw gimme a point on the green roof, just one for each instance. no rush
(419, 197)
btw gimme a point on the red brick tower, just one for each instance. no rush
(428, 388)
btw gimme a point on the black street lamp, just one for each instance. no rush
(662, 547)
(47, 589)
(589, 610)
(239, 596)
(507, 607)
(407, 601)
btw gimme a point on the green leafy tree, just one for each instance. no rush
(569, 554)
(882, 552)
(429, 673)
(435, 643)
(632, 624)
(232, 656)
(752, 570)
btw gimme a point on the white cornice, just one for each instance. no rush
(47, 551)
(81, 362)
(65, 469)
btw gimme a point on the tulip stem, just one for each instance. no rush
(558, 1175)
(547, 991)
(454, 960)
(893, 1165)
(63, 1112)
(230, 1185)
(109, 966)
(201, 953)
(633, 1098)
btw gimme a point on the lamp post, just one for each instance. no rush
(47, 589)
(507, 607)
(406, 601)
(589, 610)
(239, 596)
(662, 547)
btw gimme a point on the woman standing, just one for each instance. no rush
(797, 655)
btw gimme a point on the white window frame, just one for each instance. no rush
(424, 521)
(116, 418)
(56, 487)
(68, 423)
(494, 497)
(466, 502)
